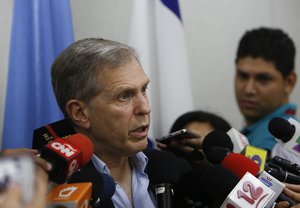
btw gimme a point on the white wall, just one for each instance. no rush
(5, 22)
(213, 29)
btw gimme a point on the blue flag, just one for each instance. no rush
(40, 31)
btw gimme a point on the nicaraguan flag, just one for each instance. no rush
(41, 29)
(157, 34)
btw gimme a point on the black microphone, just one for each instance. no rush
(45, 134)
(282, 175)
(216, 154)
(209, 187)
(281, 129)
(216, 138)
(164, 170)
(103, 186)
(286, 164)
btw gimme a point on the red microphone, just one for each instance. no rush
(238, 164)
(67, 156)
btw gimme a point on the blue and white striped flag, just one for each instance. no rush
(157, 34)
(41, 29)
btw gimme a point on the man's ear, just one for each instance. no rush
(78, 113)
(290, 82)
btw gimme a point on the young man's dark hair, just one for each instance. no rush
(271, 44)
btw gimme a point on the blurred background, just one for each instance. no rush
(212, 31)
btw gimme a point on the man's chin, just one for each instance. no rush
(140, 145)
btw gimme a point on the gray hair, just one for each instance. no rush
(74, 72)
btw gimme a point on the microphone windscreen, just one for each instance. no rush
(45, 134)
(103, 186)
(239, 164)
(281, 129)
(216, 154)
(165, 167)
(218, 181)
(83, 143)
(191, 186)
(216, 138)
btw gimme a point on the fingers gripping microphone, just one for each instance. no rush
(67, 156)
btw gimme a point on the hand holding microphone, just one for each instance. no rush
(293, 192)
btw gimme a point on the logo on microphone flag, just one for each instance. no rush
(157, 33)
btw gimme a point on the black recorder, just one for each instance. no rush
(180, 134)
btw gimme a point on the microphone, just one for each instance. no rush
(214, 144)
(248, 193)
(241, 145)
(238, 139)
(281, 129)
(67, 156)
(216, 138)
(287, 132)
(235, 162)
(286, 164)
(164, 170)
(45, 134)
(70, 195)
(191, 186)
(240, 165)
(103, 186)
(282, 175)
(208, 187)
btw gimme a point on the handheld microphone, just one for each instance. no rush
(287, 132)
(208, 187)
(286, 164)
(67, 156)
(103, 186)
(191, 186)
(283, 175)
(164, 170)
(238, 139)
(216, 138)
(45, 134)
(248, 193)
(246, 165)
(239, 165)
(216, 152)
(241, 145)
(70, 195)
(281, 129)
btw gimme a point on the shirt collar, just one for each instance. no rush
(139, 161)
